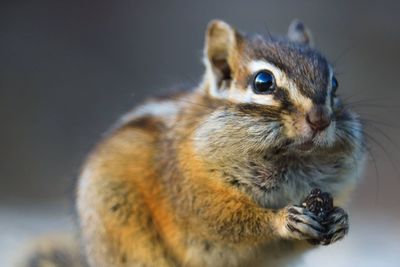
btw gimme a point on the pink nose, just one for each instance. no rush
(319, 118)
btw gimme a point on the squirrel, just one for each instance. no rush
(215, 176)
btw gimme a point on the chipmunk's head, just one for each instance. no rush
(277, 92)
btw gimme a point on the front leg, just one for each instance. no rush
(236, 219)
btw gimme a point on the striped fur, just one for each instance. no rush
(212, 177)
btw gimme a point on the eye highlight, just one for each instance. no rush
(264, 82)
(335, 85)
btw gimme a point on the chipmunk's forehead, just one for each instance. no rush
(307, 68)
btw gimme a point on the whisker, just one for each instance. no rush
(387, 154)
(368, 105)
(367, 121)
(342, 53)
(377, 174)
(382, 133)
(268, 31)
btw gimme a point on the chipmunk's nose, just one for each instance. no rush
(319, 118)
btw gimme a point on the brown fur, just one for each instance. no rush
(154, 193)
(144, 205)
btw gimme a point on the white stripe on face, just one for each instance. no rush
(284, 82)
(329, 95)
(235, 94)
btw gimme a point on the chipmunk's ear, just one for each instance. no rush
(222, 42)
(298, 32)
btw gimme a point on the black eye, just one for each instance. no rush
(335, 85)
(264, 82)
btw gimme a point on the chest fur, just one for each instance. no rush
(277, 183)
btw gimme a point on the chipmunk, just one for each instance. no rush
(215, 176)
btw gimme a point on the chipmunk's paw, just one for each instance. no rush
(336, 225)
(299, 223)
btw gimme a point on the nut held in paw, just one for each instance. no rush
(319, 203)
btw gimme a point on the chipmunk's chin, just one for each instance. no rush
(306, 146)
(316, 142)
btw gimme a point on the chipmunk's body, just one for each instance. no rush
(212, 177)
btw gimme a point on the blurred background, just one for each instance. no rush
(69, 69)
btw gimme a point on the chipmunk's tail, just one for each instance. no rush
(54, 251)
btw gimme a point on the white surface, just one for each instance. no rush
(19, 226)
(374, 240)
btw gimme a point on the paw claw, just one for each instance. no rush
(304, 225)
(337, 226)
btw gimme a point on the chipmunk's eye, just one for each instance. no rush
(264, 82)
(335, 85)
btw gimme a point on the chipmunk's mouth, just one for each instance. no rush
(303, 138)
(315, 141)
(308, 142)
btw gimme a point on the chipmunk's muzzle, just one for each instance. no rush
(319, 118)
(315, 129)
